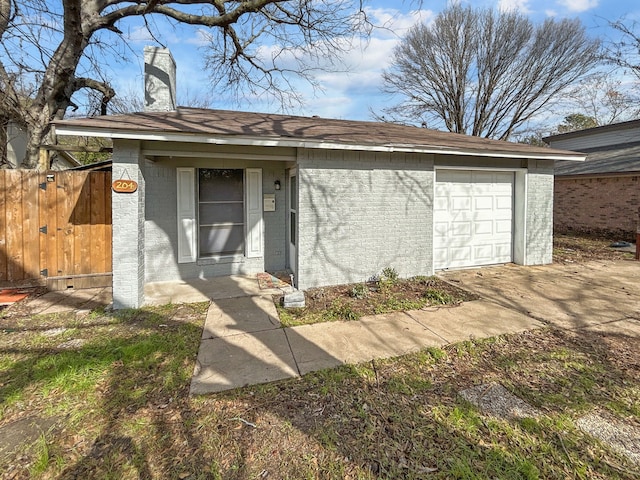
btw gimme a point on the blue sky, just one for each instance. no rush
(354, 94)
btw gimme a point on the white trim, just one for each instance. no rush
(485, 169)
(217, 155)
(283, 142)
(186, 215)
(254, 225)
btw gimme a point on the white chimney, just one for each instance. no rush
(159, 80)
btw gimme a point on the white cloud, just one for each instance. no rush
(551, 13)
(139, 34)
(521, 6)
(578, 5)
(200, 39)
(396, 23)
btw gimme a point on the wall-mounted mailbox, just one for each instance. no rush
(269, 202)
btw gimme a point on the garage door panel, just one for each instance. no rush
(504, 202)
(484, 202)
(483, 227)
(483, 253)
(459, 254)
(473, 223)
(460, 204)
(459, 229)
(503, 227)
(440, 203)
(440, 229)
(440, 255)
(503, 251)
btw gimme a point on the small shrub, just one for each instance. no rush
(436, 353)
(395, 304)
(436, 297)
(426, 281)
(388, 278)
(359, 291)
(390, 274)
(341, 311)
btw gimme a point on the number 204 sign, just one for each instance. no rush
(124, 186)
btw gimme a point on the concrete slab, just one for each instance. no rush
(477, 319)
(571, 297)
(624, 328)
(232, 316)
(61, 301)
(70, 300)
(325, 345)
(202, 290)
(239, 360)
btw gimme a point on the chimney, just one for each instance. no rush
(159, 80)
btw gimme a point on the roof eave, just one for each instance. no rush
(300, 143)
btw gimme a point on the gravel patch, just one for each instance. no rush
(494, 399)
(621, 437)
(52, 332)
(72, 344)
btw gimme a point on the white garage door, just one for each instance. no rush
(473, 218)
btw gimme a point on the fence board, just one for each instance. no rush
(97, 220)
(3, 231)
(30, 221)
(15, 245)
(66, 202)
(81, 219)
(75, 207)
(108, 225)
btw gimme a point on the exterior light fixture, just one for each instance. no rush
(277, 184)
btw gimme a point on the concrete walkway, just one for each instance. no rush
(244, 344)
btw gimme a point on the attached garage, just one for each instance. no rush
(473, 218)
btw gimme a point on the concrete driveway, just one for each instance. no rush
(595, 295)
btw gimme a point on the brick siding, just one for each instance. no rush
(597, 205)
(360, 212)
(539, 241)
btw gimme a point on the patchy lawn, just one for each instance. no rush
(105, 395)
(383, 295)
(584, 248)
(112, 392)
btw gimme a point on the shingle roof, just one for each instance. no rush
(590, 131)
(611, 159)
(286, 129)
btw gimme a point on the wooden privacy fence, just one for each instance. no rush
(55, 228)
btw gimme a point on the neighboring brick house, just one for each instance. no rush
(602, 194)
(334, 201)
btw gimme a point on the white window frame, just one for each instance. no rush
(189, 225)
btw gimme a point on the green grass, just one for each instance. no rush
(122, 409)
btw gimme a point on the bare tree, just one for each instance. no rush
(47, 41)
(626, 51)
(605, 98)
(483, 72)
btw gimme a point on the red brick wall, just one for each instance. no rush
(597, 205)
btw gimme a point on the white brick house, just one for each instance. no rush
(334, 201)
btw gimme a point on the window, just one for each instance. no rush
(221, 211)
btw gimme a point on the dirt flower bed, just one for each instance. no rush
(383, 295)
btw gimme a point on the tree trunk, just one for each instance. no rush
(37, 132)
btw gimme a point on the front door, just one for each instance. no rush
(293, 220)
